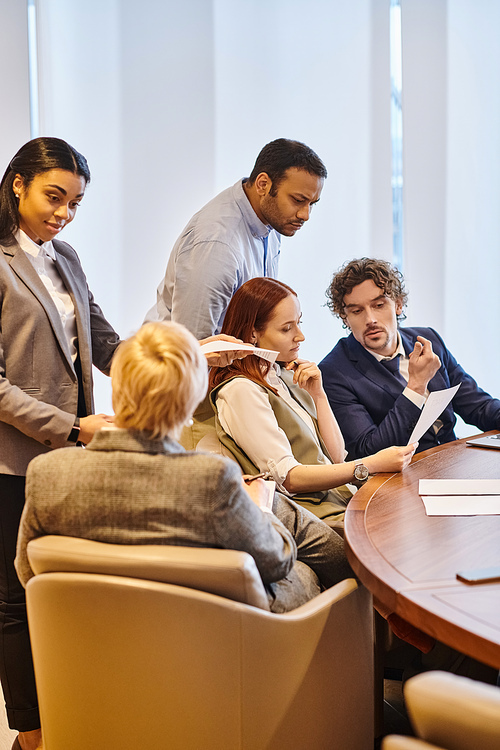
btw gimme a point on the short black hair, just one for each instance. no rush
(282, 154)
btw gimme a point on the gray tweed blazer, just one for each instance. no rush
(125, 488)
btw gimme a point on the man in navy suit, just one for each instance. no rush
(378, 378)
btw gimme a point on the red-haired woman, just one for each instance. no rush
(276, 418)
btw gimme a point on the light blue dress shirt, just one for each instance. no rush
(221, 247)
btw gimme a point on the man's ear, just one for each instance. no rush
(343, 318)
(399, 307)
(263, 184)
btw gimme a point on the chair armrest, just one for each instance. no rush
(454, 712)
(399, 742)
(322, 601)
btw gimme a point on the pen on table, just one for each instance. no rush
(262, 475)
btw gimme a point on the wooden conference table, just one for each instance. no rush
(409, 560)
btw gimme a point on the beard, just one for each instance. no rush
(273, 216)
(381, 343)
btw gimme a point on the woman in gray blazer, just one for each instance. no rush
(51, 332)
(134, 484)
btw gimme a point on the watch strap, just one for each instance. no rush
(75, 431)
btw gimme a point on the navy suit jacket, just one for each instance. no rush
(368, 402)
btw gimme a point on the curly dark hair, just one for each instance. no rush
(388, 278)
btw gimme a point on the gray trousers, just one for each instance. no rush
(321, 560)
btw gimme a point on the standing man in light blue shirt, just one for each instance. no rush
(236, 236)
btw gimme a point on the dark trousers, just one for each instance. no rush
(16, 664)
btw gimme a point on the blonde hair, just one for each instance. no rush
(158, 376)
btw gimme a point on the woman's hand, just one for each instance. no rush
(257, 489)
(307, 375)
(395, 458)
(92, 424)
(224, 359)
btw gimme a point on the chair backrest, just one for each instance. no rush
(228, 573)
(450, 712)
(125, 661)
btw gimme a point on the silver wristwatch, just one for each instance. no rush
(361, 472)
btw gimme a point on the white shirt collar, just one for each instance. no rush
(27, 244)
(273, 373)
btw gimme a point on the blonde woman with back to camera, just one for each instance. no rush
(134, 484)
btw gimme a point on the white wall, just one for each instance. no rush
(451, 133)
(14, 80)
(166, 65)
(424, 42)
(472, 259)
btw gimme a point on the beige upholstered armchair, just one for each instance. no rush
(450, 713)
(174, 648)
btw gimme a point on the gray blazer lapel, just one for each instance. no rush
(23, 268)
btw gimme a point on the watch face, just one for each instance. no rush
(361, 472)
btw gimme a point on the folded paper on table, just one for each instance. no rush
(462, 505)
(213, 347)
(435, 405)
(459, 487)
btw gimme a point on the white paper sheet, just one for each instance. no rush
(462, 505)
(227, 346)
(436, 403)
(459, 487)
(271, 489)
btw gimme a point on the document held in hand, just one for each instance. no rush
(435, 405)
(213, 347)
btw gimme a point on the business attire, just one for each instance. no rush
(127, 488)
(372, 410)
(224, 245)
(273, 432)
(45, 382)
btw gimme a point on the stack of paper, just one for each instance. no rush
(460, 497)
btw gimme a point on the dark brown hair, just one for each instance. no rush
(388, 278)
(251, 308)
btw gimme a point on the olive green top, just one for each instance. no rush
(328, 505)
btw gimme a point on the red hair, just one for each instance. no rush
(250, 309)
